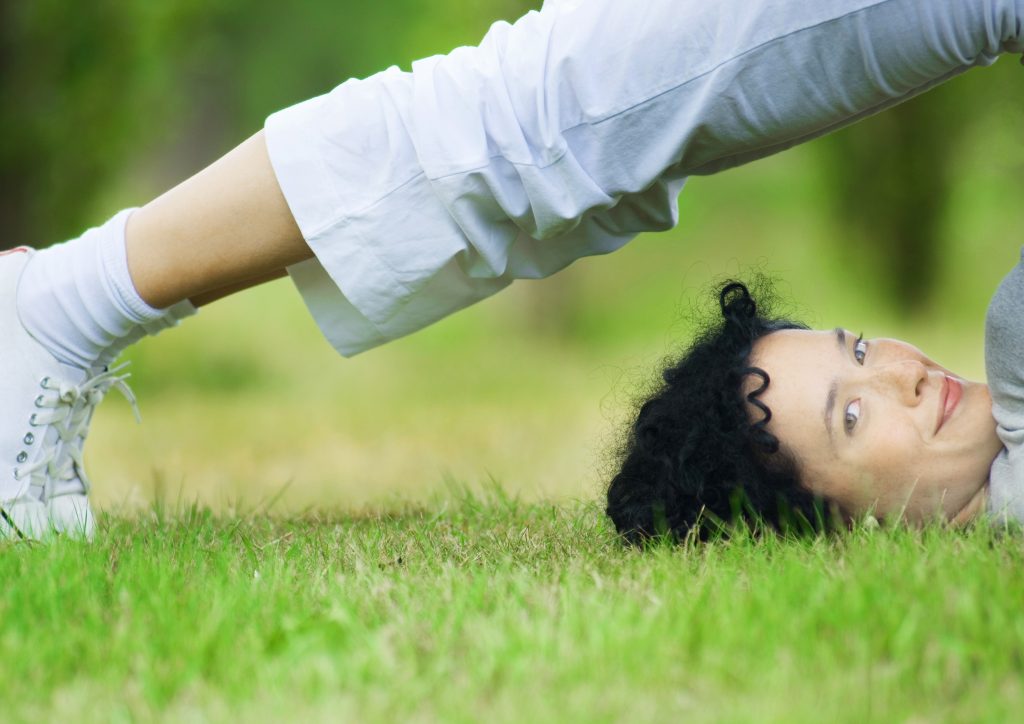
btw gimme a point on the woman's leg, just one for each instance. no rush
(225, 228)
(201, 300)
(72, 308)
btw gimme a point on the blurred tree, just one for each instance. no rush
(84, 85)
(891, 177)
(890, 181)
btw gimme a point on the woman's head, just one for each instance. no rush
(764, 417)
(877, 426)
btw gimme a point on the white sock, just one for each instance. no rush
(77, 299)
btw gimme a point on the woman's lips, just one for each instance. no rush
(949, 398)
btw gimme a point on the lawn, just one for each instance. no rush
(478, 607)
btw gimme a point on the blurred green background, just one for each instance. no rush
(900, 226)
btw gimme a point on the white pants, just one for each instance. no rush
(574, 129)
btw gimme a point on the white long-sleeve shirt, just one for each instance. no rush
(572, 130)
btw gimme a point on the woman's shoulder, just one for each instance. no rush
(1004, 348)
(1004, 326)
(1005, 493)
(1004, 366)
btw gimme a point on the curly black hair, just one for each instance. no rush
(697, 457)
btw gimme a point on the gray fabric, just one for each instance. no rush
(1004, 354)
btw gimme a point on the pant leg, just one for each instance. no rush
(570, 131)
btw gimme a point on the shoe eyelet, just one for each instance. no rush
(29, 437)
(32, 420)
(44, 382)
(39, 401)
(22, 456)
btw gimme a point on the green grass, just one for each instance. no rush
(485, 607)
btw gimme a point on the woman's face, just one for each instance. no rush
(876, 426)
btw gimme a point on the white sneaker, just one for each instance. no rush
(66, 490)
(46, 409)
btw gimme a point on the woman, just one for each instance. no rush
(394, 201)
(765, 419)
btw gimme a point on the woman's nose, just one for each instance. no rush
(905, 379)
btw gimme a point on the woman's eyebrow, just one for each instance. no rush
(833, 389)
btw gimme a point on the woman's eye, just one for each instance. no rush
(860, 349)
(852, 415)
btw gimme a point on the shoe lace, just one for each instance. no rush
(67, 409)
